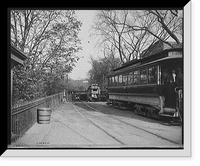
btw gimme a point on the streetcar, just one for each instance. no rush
(93, 92)
(151, 86)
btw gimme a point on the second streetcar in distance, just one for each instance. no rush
(93, 92)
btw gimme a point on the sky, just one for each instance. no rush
(87, 43)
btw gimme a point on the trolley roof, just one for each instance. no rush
(160, 56)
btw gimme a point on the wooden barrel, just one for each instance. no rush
(43, 115)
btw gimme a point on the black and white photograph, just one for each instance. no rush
(96, 82)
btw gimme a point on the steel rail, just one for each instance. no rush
(99, 126)
(72, 130)
(137, 127)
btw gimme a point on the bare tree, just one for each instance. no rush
(161, 24)
(171, 22)
(131, 32)
(110, 28)
(109, 52)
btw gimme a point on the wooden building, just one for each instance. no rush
(17, 58)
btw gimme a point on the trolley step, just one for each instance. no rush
(172, 110)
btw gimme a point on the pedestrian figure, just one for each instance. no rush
(171, 96)
(167, 78)
(169, 82)
(64, 97)
(164, 78)
(174, 75)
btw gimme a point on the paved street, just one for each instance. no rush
(97, 125)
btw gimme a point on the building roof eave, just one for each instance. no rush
(18, 53)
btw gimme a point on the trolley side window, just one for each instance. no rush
(116, 80)
(113, 81)
(136, 77)
(120, 79)
(124, 79)
(130, 78)
(143, 76)
(152, 75)
(110, 81)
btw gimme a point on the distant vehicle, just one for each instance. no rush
(79, 96)
(93, 92)
(147, 86)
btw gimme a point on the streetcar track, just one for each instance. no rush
(99, 127)
(136, 126)
(57, 120)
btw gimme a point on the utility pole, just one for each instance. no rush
(67, 88)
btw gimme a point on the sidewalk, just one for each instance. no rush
(67, 129)
(54, 134)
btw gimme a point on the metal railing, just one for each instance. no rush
(24, 116)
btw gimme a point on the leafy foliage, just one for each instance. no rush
(50, 39)
(101, 68)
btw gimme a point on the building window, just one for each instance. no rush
(152, 76)
(130, 78)
(136, 77)
(143, 76)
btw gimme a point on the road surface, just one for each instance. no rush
(97, 125)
